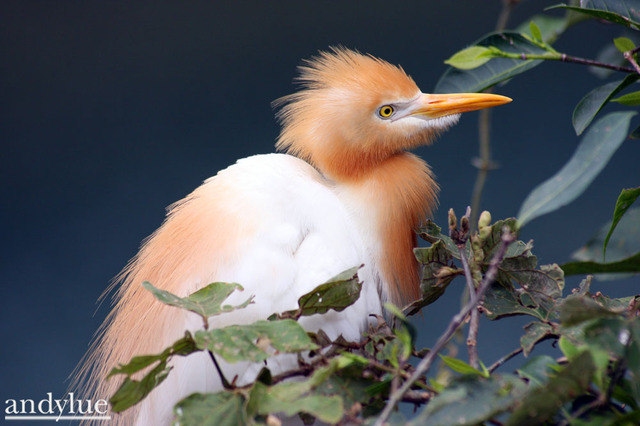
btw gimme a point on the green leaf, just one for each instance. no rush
(577, 309)
(133, 391)
(536, 406)
(471, 400)
(609, 334)
(436, 274)
(623, 392)
(534, 332)
(184, 346)
(211, 409)
(492, 241)
(633, 350)
(616, 11)
(623, 243)
(615, 305)
(293, 398)
(624, 44)
(593, 153)
(250, 342)
(501, 301)
(460, 366)
(535, 31)
(349, 385)
(594, 101)
(548, 280)
(630, 99)
(630, 264)
(550, 27)
(568, 348)
(205, 302)
(538, 370)
(626, 198)
(470, 58)
(336, 294)
(432, 233)
(599, 355)
(494, 71)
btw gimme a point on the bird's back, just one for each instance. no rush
(271, 223)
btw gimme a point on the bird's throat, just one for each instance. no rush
(393, 199)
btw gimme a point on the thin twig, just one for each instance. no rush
(417, 397)
(300, 371)
(583, 410)
(629, 56)
(593, 63)
(225, 383)
(504, 359)
(474, 321)
(563, 57)
(484, 162)
(424, 365)
(505, 12)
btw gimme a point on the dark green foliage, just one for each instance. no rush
(625, 200)
(133, 391)
(336, 294)
(485, 74)
(251, 342)
(205, 302)
(592, 155)
(595, 100)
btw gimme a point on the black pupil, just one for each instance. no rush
(386, 111)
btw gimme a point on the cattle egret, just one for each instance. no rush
(345, 192)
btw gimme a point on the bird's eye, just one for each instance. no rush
(386, 111)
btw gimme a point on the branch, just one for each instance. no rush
(225, 382)
(456, 322)
(474, 321)
(504, 359)
(484, 162)
(300, 371)
(505, 12)
(629, 56)
(417, 397)
(563, 57)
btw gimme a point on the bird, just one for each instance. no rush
(342, 190)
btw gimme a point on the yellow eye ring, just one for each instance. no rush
(386, 111)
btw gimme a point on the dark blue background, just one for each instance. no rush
(110, 111)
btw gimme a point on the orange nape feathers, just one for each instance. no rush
(331, 122)
(409, 191)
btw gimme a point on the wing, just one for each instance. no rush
(271, 223)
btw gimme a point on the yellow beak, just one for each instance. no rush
(434, 106)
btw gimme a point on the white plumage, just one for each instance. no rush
(295, 238)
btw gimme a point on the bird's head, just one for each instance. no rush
(356, 110)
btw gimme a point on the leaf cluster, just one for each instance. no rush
(499, 57)
(340, 379)
(348, 382)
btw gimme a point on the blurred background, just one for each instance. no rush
(110, 111)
